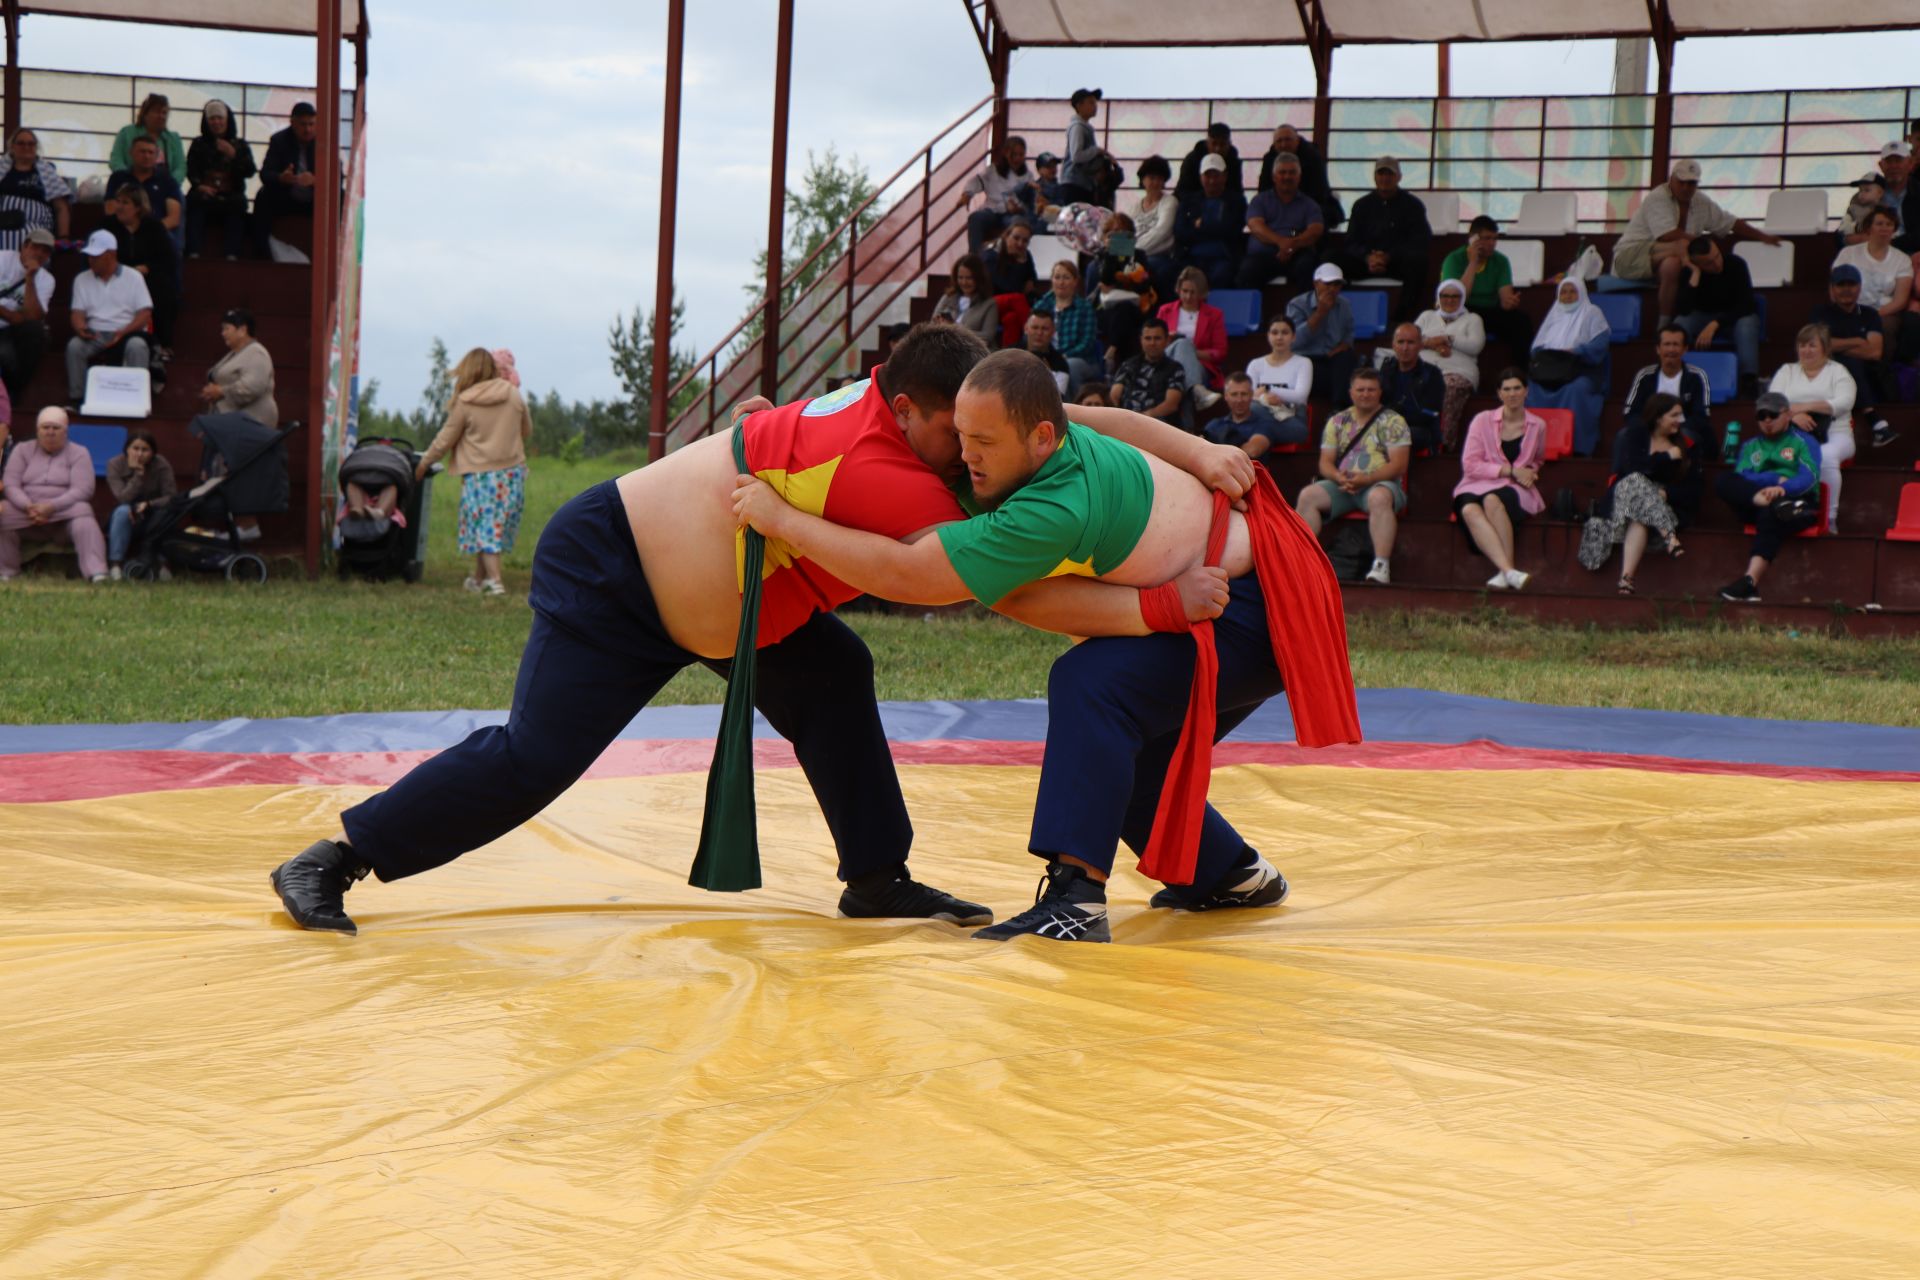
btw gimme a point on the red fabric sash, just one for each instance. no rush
(1307, 626)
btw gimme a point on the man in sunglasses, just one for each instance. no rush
(1775, 470)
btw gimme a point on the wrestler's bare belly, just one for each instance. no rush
(681, 512)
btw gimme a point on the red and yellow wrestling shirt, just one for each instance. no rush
(843, 457)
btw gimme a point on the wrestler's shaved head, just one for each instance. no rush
(1024, 385)
(1010, 419)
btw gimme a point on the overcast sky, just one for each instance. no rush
(515, 149)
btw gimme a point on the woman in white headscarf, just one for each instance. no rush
(1570, 363)
(1451, 339)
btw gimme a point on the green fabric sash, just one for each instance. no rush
(729, 856)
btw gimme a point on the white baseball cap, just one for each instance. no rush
(1329, 273)
(1686, 170)
(100, 242)
(1900, 149)
(1213, 163)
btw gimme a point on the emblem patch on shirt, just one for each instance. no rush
(835, 401)
(1786, 455)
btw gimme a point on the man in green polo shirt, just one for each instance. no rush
(1053, 501)
(1484, 272)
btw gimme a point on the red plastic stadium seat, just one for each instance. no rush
(1559, 432)
(1815, 530)
(1906, 522)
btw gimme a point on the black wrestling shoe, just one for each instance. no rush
(1258, 884)
(1069, 907)
(1741, 591)
(904, 898)
(313, 884)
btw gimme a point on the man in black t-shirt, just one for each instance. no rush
(1150, 383)
(1716, 298)
(1039, 336)
(1859, 345)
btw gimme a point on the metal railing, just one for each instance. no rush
(857, 275)
(1492, 151)
(77, 114)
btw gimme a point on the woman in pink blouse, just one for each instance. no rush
(48, 490)
(1500, 477)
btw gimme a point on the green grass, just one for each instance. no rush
(196, 650)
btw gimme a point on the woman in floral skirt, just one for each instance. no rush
(486, 433)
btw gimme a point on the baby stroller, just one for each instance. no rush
(246, 468)
(390, 540)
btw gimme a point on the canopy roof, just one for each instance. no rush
(277, 17)
(1276, 22)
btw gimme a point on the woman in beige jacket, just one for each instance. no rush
(486, 433)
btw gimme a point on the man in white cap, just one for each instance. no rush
(111, 312)
(1896, 167)
(1210, 225)
(1655, 241)
(1323, 332)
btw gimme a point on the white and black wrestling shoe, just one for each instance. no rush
(1250, 884)
(1070, 906)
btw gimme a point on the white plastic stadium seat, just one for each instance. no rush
(1796, 213)
(1545, 213)
(1047, 250)
(1771, 265)
(1528, 258)
(1443, 210)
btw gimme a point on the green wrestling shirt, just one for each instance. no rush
(1082, 513)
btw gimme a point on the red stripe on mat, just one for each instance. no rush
(88, 775)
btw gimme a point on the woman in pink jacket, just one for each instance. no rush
(48, 488)
(1199, 336)
(1500, 477)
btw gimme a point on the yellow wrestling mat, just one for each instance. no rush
(1571, 1023)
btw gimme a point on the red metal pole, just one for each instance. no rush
(1662, 101)
(12, 88)
(997, 66)
(1446, 69)
(663, 257)
(326, 237)
(777, 206)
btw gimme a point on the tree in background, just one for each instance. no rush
(630, 342)
(829, 193)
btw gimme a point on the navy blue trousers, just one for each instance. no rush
(1114, 710)
(597, 654)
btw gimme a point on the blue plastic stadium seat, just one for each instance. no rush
(102, 444)
(1241, 308)
(1369, 313)
(1723, 373)
(1622, 311)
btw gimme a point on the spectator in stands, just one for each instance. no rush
(1363, 455)
(1856, 341)
(111, 311)
(1282, 381)
(1198, 336)
(1218, 142)
(1413, 388)
(968, 301)
(1820, 396)
(1891, 187)
(1451, 339)
(1039, 340)
(48, 491)
(1009, 264)
(1388, 235)
(1772, 488)
(150, 122)
(242, 380)
(1151, 383)
(138, 478)
(486, 433)
(144, 247)
(1484, 272)
(146, 172)
(1046, 186)
(1313, 172)
(1094, 397)
(1869, 194)
(1570, 362)
(1323, 331)
(1007, 188)
(286, 176)
(1124, 288)
(1076, 329)
(1154, 214)
(1716, 295)
(1671, 375)
(1500, 478)
(1658, 473)
(1248, 426)
(26, 291)
(34, 188)
(1654, 245)
(1284, 229)
(1080, 177)
(218, 166)
(1210, 225)
(1886, 274)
